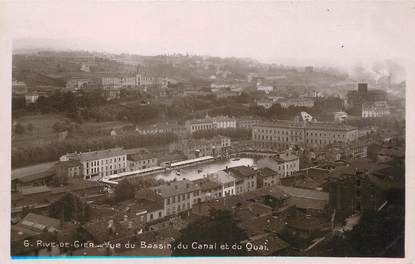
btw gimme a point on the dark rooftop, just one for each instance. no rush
(206, 184)
(266, 172)
(241, 171)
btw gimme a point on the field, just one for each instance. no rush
(43, 132)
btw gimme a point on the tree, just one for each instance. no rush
(372, 152)
(69, 207)
(29, 127)
(378, 233)
(124, 191)
(19, 129)
(61, 126)
(219, 228)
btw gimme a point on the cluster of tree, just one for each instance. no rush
(378, 234)
(64, 125)
(233, 133)
(67, 102)
(92, 105)
(140, 113)
(123, 191)
(69, 207)
(220, 227)
(21, 129)
(230, 110)
(189, 107)
(384, 122)
(276, 111)
(29, 155)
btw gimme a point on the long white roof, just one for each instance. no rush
(190, 161)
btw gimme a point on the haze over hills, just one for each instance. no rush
(369, 70)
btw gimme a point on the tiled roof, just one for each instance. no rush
(303, 193)
(241, 171)
(285, 156)
(174, 188)
(262, 224)
(137, 157)
(311, 223)
(266, 172)
(39, 222)
(100, 230)
(221, 177)
(309, 125)
(206, 184)
(32, 170)
(101, 154)
(35, 189)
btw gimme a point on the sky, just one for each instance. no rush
(295, 33)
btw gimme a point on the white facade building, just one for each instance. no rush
(376, 109)
(224, 122)
(100, 163)
(226, 181)
(285, 163)
(265, 88)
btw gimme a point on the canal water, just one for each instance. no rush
(201, 170)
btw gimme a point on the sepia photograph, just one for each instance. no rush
(206, 129)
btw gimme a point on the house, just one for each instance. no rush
(162, 128)
(226, 181)
(264, 88)
(141, 161)
(149, 208)
(99, 163)
(247, 122)
(36, 175)
(304, 228)
(35, 227)
(375, 109)
(296, 102)
(195, 148)
(246, 178)
(76, 84)
(19, 88)
(310, 178)
(267, 177)
(178, 196)
(40, 223)
(112, 229)
(285, 164)
(31, 98)
(306, 200)
(208, 189)
(266, 103)
(69, 168)
(210, 123)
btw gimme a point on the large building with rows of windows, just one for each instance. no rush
(178, 196)
(282, 134)
(100, 163)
